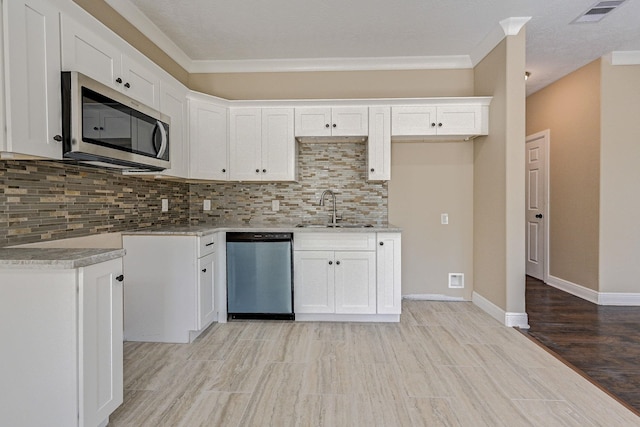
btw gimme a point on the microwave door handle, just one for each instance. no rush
(163, 135)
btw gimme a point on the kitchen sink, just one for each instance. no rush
(339, 225)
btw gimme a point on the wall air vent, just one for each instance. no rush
(597, 12)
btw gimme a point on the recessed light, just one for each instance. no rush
(597, 12)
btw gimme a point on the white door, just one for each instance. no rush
(536, 203)
(206, 279)
(355, 282)
(278, 145)
(314, 290)
(140, 82)
(101, 363)
(32, 55)
(379, 144)
(349, 121)
(208, 141)
(245, 144)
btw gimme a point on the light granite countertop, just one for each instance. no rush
(55, 258)
(203, 230)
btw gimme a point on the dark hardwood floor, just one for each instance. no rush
(603, 342)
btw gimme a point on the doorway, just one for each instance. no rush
(537, 205)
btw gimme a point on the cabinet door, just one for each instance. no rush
(313, 122)
(86, 52)
(278, 145)
(314, 290)
(245, 144)
(349, 121)
(355, 281)
(208, 141)
(379, 144)
(100, 341)
(388, 274)
(413, 120)
(140, 82)
(32, 80)
(459, 120)
(173, 103)
(206, 275)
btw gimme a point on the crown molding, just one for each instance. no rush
(139, 20)
(506, 27)
(625, 57)
(333, 64)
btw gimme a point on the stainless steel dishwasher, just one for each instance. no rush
(260, 276)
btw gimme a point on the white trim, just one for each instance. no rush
(573, 288)
(131, 13)
(520, 320)
(431, 297)
(330, 317)
(545, 135)
(513, 25)
(332, 64)
(619, 298)
(506, 27)
(628, 57)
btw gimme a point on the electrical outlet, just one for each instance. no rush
(206, 205)
(165, 205)
(444, 218)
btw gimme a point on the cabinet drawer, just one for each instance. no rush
(207, 245)
(334, 241)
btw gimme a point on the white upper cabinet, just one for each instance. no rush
(32, 78)
(379, 144)
(331, 121)
(208, 140)
(279, 155)
(462, 120)
(261, 144)
(101, 57)
(173, 103)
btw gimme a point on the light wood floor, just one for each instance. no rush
(446, 363)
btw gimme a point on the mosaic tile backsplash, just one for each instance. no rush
(42, 200)
(340, 167)
(45, 200)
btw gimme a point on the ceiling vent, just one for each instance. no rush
(597, 12)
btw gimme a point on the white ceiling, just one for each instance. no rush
(210, 35)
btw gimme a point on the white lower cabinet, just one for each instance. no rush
(170, 292)
(389, 278)
(64, 331)
(345, 274)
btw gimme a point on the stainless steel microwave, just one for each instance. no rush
(103, 126)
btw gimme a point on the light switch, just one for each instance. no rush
(444, 219)
(165, 205)
(206, 205)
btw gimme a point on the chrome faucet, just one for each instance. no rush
(334, 217)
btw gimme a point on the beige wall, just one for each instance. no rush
(498, 228)
(430, 179)
(112, 19)
(335, 84)
(570, 108)
(620, 178)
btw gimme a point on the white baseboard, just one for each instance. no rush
(431, 297)
(618, 298)
(574, 289)
(600, 298)
(520, 320)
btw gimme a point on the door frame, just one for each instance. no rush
(545, 136)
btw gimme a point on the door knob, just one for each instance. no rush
(120, 278)
(538, 215)
(57, 138)
(330, 262)
(204, 270)
(337, 262)
(118, 80)
(127, 85)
